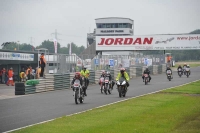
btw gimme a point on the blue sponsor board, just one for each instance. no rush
(96, 61)
(111, 62)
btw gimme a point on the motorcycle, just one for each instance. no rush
(187, 71)
(78, 92)
(180, 72)
(146, 79)
(101, 83)
(107, 86)
(121, 86)
(169, 75)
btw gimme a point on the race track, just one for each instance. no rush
(26, 110)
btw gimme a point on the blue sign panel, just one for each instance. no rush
(146, 61)
(96, 61)
(111, 62)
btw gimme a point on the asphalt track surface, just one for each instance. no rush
(30, 109)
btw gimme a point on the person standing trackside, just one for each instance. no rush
(10, 77)
(42, 64)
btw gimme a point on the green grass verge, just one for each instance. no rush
(175, 110)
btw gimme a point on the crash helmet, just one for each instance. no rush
(84, 68)
(122, 70)
(77, 75)
(103, 73)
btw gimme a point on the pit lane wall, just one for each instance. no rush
(53, 82)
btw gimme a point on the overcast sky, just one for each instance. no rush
(22, 19)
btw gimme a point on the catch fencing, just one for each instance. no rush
(61, 63)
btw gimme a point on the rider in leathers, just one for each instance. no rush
(85, 73)
(184, 66)
(168, 68)
(110, 78)
(124, 74)
(102, 75)
(146, 71)
(179, 67)
(77, 76)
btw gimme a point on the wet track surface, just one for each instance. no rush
(30, 109)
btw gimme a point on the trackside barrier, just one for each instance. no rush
(63, 81)
(159, 69)
(112, 73)
(58, 81)
(66, 81)
(132, 72)
(139, 71)
(92, 77)
(97, 76)
(150, 69)
(163, 68)
(155, 69)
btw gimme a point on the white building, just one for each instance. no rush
(114, 26)
(111, 26)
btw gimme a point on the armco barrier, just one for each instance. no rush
(49, 83)
(163, 67)
(116, 71)
(41, 87)
(29, 89)
(66, 81)
(92, 77)
(159, 69)
(97, 76)
(112, 73)
(63, 81)
(128, 71)
(155, 69)
(150, 69)
(138, 71)
(58, 81)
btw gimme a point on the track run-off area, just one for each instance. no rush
(19, 112)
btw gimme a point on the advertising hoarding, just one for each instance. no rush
(155, 42)
(16, 56)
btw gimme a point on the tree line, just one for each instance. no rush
(45, 44)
